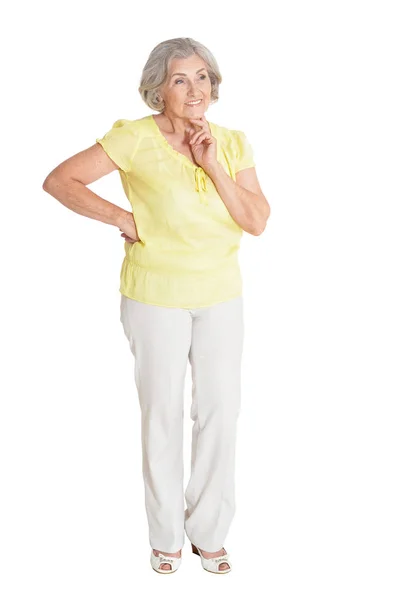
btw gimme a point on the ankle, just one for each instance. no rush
(175, 554)
(215, 554)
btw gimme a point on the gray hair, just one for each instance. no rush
(156, 68)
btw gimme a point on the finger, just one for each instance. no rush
(201, 123)
(201, 137)
(198, 133)
(200, 120)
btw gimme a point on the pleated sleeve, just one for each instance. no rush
(121, 143)
(244, 156)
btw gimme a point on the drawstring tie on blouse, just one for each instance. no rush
(200, 184)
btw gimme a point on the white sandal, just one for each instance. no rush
(212, 564)
(157, 561)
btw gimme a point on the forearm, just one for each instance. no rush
(246, 208)
(77, 197)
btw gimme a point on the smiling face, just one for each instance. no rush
(187, 80)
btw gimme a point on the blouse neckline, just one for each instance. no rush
(182, 157)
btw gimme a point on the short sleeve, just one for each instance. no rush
(244, 156)
(120, 143)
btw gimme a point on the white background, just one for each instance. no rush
(314, 87)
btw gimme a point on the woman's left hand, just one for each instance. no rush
(203, 144)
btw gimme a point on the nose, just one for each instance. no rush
(192, 89)
(194, 95)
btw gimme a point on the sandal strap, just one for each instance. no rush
(174, 561)
(170, 559)
(218, 559)
(157, 561)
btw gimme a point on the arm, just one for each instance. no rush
(67, 183)
(243, 198)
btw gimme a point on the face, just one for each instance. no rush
(187, 80)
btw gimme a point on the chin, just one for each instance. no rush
(195, 114)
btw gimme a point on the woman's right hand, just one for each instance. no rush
(128, 239)
(128, 229)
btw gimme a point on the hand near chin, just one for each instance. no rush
(203, 144)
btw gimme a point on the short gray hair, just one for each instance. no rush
(156, 68)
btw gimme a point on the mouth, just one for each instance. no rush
(194, 103)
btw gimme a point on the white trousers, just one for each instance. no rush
(162, 340)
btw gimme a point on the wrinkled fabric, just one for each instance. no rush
(187, 255)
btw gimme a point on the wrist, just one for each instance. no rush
(213, 169)
(122, 216)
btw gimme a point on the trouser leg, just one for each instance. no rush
(215, 358)
(160, 339)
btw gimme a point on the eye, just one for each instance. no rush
(201, 77)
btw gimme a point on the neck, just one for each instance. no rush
(178, 125)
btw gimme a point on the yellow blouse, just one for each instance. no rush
(187, 255)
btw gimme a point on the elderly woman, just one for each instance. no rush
(193, 189)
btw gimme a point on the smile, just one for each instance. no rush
(193, 102)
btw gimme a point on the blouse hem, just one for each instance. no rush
(181, 291)
(183, 307)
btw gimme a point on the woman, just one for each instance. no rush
(193, 190)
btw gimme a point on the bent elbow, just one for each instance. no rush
(258, 231)
(260, 228)
(52, 183)
(47, 183)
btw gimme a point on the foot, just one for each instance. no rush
(223, 565)
(166, 566)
